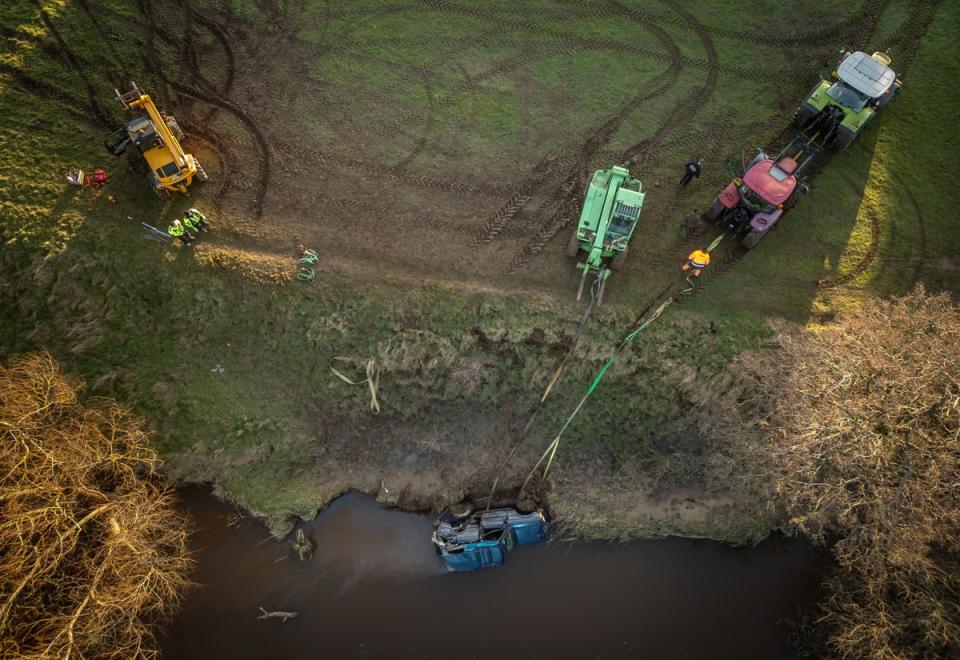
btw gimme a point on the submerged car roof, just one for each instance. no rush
(865, 74)
(772, 190)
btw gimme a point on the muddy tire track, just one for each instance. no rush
(684, 111)
(77, 107)
(76, 64)
(560, 201)
(113, 62)
(223, 155)
(263, 181)
(906, 40)
(639, 154)
(210, 98)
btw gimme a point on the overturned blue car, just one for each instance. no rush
(479, 540)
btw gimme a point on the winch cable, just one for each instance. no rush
(594, 295)
(551, 450)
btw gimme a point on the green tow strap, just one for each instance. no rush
(551, 449)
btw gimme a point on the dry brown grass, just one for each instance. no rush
(91, 550)
(866, 444)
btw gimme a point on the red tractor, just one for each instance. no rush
(769, 186)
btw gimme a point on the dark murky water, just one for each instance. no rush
(375, 589)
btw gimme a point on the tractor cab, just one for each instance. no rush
(858, 86)
(768, 187)
(863, 79)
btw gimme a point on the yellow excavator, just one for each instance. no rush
(157, 136)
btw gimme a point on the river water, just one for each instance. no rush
(376, 589)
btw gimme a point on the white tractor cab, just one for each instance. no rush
(840, 106)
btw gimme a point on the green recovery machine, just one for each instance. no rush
(610, 213)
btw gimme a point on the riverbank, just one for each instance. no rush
(439, 195)
(375, 589)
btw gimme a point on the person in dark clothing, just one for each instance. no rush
(691, 169)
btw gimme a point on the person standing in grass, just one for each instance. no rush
(691, 169)
(698, 260)
(177, 230)
(196, 220)
(191, 224)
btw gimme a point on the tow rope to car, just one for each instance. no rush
(372, 380)
(551, 449)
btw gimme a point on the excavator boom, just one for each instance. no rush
(157, 137)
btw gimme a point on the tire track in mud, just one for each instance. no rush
(263, 181)
(869, 256)
(220, 35)
(559, 202)
(146, 9)
(921, 259)
(426, 181)
(871, 10)
(907, 38)
(76, 64)
(564, 201)
(114, 58)
(590, 8)
(41, 89)
(432, 67)
(687, 108)
(639, 154)
(216, 146)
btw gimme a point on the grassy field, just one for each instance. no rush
(434, 153)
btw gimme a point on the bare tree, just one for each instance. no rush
(92, 552)
(865, 442)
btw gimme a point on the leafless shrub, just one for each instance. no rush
(865, 435)
(91, 550)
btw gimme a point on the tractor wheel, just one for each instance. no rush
(174, 127)
(842, 140)
(714, 211)
(137, 162)
(573, 247)
(792, 199)
(619, 259)
(802, 116)
(201, 173)
(751, 239)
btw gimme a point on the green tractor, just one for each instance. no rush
(843, 102)
(610, 213)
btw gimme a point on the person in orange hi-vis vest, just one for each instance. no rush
(698, 260)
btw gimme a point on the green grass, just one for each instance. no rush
(153, 325)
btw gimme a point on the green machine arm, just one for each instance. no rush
(594, 261)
